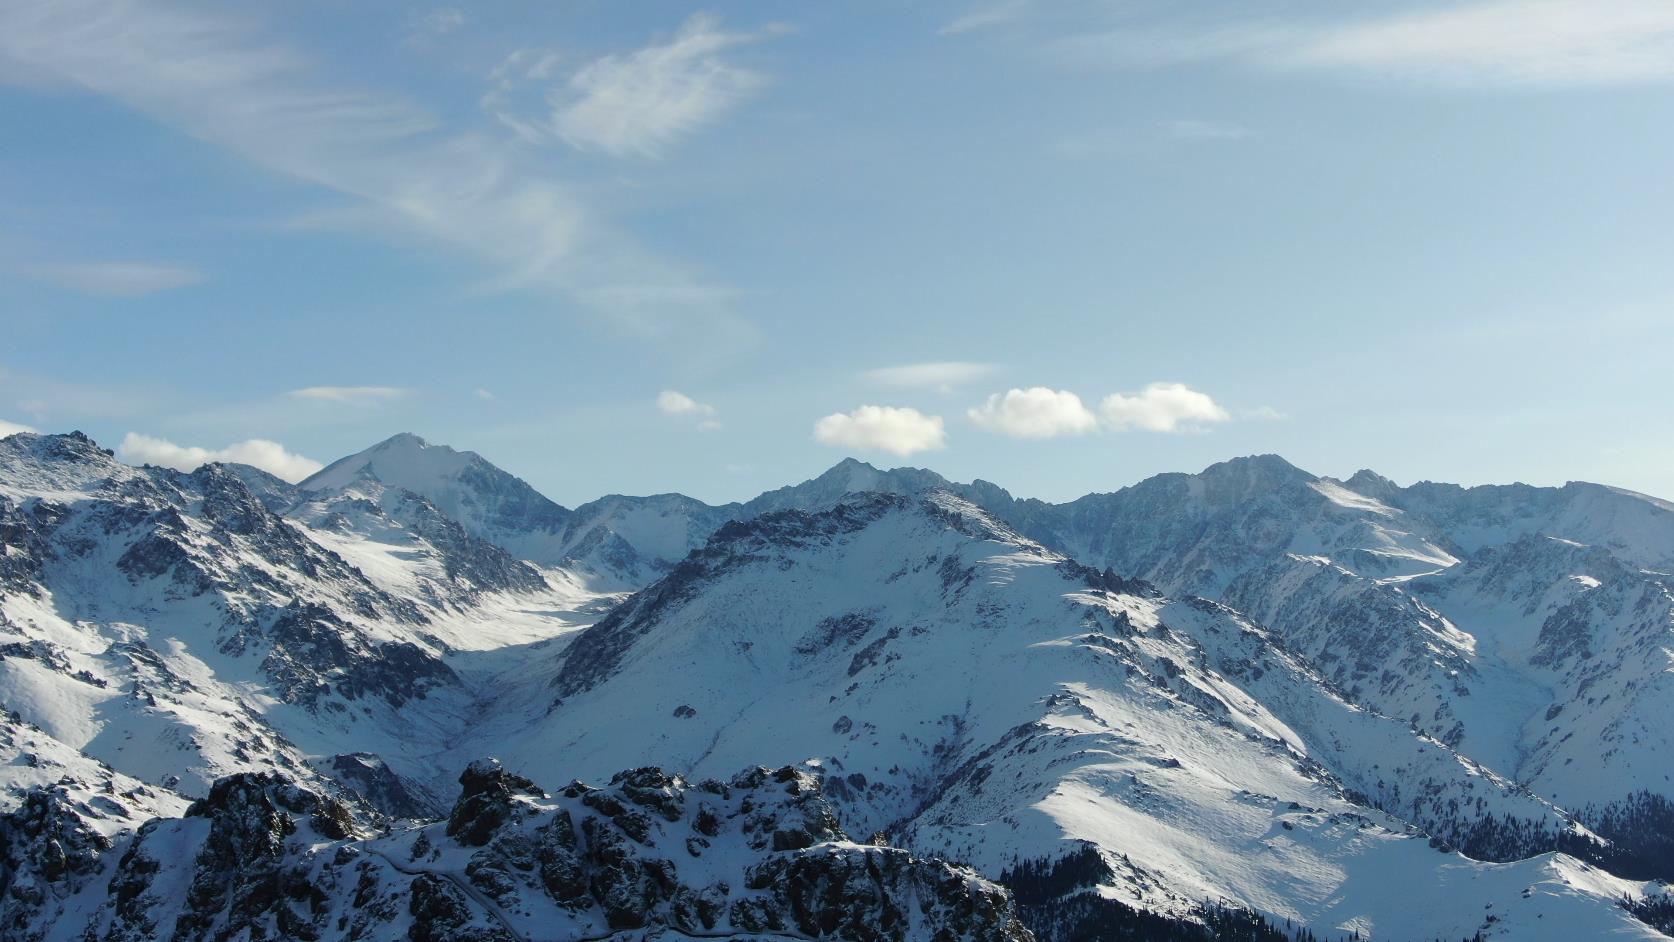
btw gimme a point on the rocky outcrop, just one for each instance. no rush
(48, 851)
(759, 855)
(237, 865)
(376, 784)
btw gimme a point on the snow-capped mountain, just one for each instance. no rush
(173, 626)
(489, 503)
(1206, 705)
(991, 701)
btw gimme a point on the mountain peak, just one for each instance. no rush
(71, 445)
(849, 465)
(403, 460)
(1238, 479)
(1269, 464)
(405, 440)
(489, 502)
(1372, 484)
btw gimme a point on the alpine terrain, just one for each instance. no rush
(412, 698)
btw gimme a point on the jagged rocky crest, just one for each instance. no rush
(759, 856)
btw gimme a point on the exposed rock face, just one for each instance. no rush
(759, 856)
(369, 777)
(247, 872)
(47, 852)
(486, 801)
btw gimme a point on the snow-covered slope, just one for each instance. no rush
(173, 626)
(1372, 676)
(488, 502)
(989, 700)
(1442, 605)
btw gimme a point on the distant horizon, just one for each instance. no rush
(883, 467)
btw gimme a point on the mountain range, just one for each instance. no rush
(1249, 703)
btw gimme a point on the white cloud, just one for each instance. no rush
(1263, 414)
(123, 279)
(12, 428)
(896, 430)
(1161, 407)
(678, 403)
(267, 455)
(640, 103)
(943, 375)
(484, 394)
(1036, 412)
(1506, 43)
(351, 394)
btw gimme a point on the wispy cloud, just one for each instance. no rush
(12, 428)
(985, 17)
(900, 431)
(270, 456)
(122, 279)
(640, 103)
(1037, 412)
(351, 394)
(943, 375)
(1478, 43)
(209, 74)
(441, 21)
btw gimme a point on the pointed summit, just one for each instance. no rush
(488, 502)
(405, 440)
(1372, 484)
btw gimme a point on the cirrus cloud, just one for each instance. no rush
(270, 456)
(1037, 412)
(638, 104)
(1463, 44)
(898, 430)
(351, 394)
(123, 279)
(1161, 407)
(942, 375)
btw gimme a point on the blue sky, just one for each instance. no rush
(1060, 246)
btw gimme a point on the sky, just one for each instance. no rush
(714, 249)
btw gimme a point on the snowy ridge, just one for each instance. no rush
(1250, 687)
(489, 503)
(1177, 712)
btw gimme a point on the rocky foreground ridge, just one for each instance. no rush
(761, 856)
